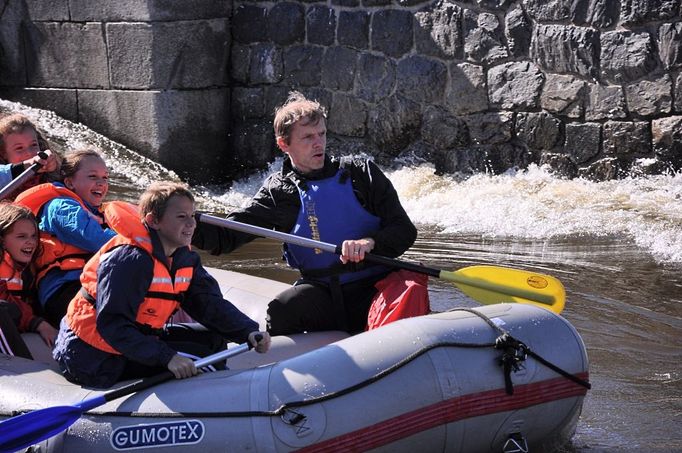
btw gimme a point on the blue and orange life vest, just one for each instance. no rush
(330, 212)
(162, 297)
(55, 253)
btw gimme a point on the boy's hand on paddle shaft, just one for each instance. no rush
(260, 341)
(182, 367)
(354, 250)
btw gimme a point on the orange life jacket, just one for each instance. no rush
(55, 253)
(162, 298)
(9, 273)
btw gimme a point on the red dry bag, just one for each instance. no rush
(402, 294)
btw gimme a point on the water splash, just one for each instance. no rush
(528, 204)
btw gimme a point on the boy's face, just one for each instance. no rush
(176, 226)
(21, 240)
(21, 146)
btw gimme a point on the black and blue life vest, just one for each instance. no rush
(330, 212)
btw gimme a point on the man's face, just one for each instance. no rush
(306, 145)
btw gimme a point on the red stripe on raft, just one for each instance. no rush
(452, 410)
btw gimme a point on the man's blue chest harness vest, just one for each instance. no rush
(330, 212)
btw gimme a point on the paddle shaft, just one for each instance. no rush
(313, 244)
(19, 180)
(165, 376)
(496, 292)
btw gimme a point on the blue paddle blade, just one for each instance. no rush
(28, 429)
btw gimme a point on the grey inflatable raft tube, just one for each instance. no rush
(432, 383)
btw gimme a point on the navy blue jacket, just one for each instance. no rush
(123, 278)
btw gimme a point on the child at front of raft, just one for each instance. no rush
(72, 217)
(115, 328)
(19, 147)
(18, 246)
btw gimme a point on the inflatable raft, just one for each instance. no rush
(450, 381)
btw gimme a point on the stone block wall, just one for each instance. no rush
(151, 74)
(592, 88)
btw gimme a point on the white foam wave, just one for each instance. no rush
(534, 204)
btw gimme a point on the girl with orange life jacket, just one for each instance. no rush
(73, 227)
(19, 147)
(115, 327)
(18, 245)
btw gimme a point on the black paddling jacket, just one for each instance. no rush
(277, 204)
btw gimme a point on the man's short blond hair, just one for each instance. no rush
(297, 107)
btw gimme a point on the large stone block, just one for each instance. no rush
(186, 131)
(604, 102)
(252, 146)
(347, 116)
(438, 30)
(563, 48)
(338, 68)
(286, 23)
(353, 29)
(35, 10)
(421, 79)
(648, 98)
(248, 102)
(168, 55)
(626, 55)
(376, 77)
(66, 55)
(621, 138)
(391, 32)
(248, 24)
(666, 136)
(678, 93)
(538, 130)
(563, 95)
(635, 12)
(266, 64)
(442, 129)
(393, 124)
(62, 102)
(548, 10)
(321, 25)
(483, 38)
(515, 85)
(670, 45)
(583, 141)
(467, 91)
(12, 55)
(147, 10)
(597, 13)
(303, 65)
(518, 31)
(490, 128)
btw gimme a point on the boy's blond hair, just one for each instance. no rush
(155, 199)
(296, 107)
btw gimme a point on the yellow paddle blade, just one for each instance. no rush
(496, 284)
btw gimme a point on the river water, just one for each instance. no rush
(616, 246)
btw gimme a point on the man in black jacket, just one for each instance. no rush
(339, 201)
